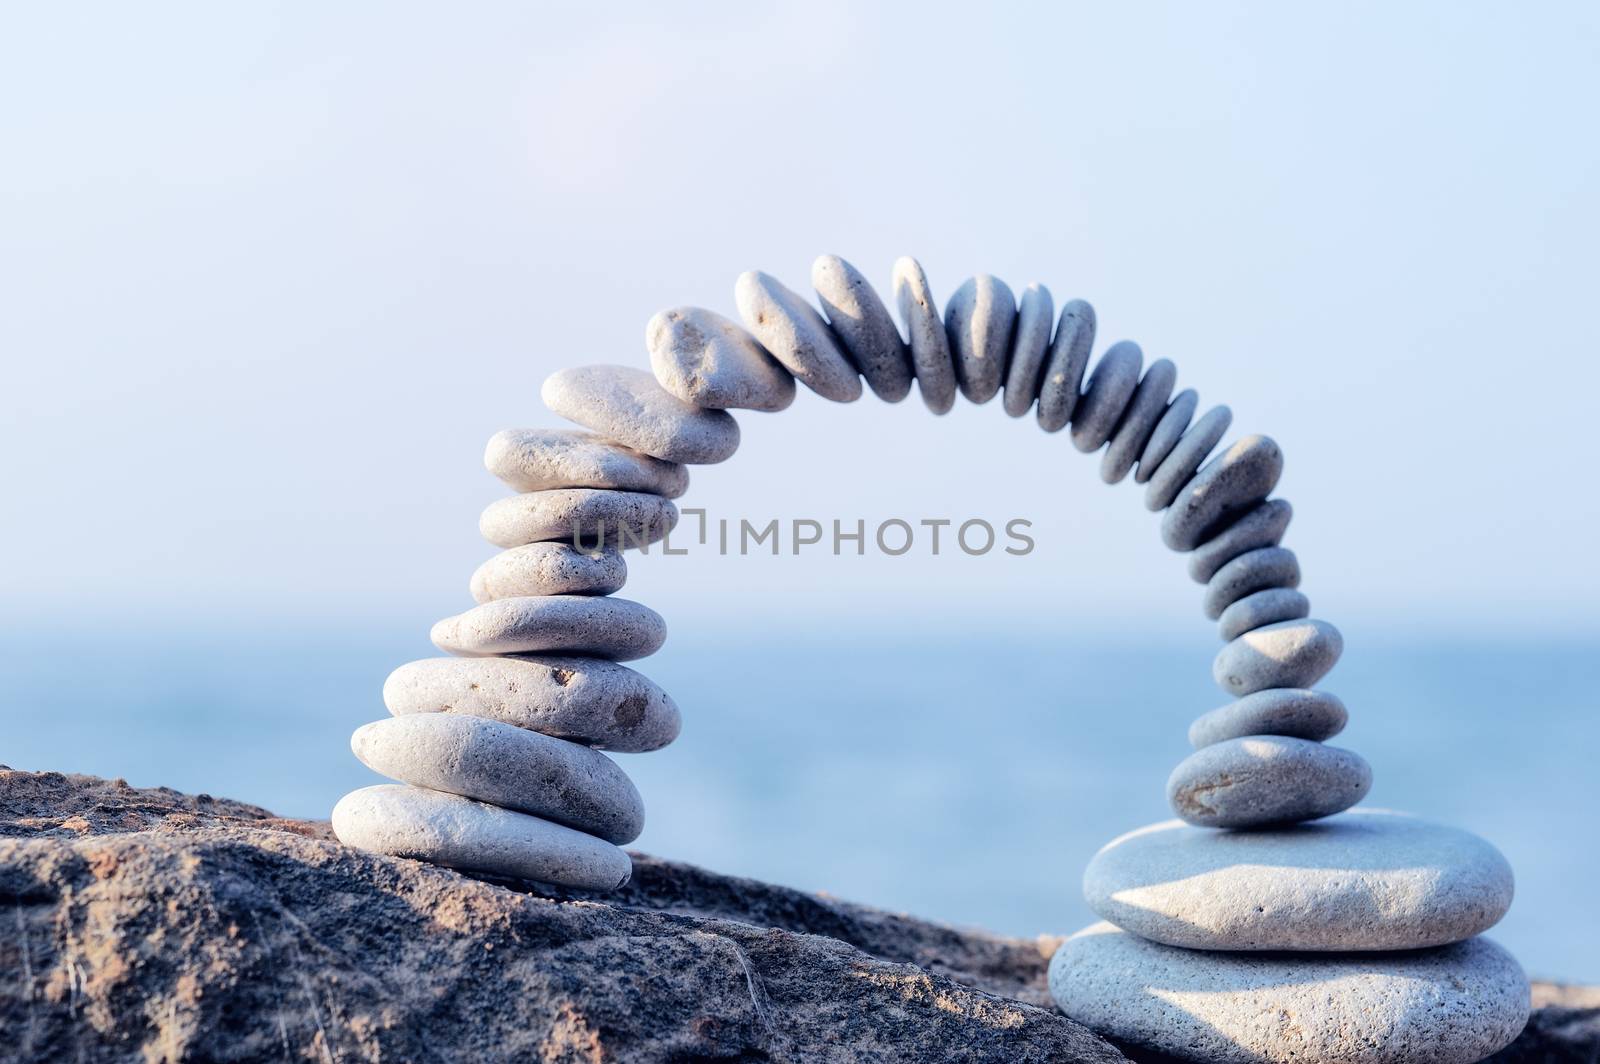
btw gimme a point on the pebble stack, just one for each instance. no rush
(1272, 921)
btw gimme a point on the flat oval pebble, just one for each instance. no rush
(1190, 453)
(980, 320)
(1450, 1005)
(1252, 571)
(628, 406)
(587, 700)
(710, 361)
(1362, 880)
(863, 325)
(1296, 711)
(1106, 396)
(537, 459)
(549, 569)
(1286, 654)
(931, 361)
(1262, 526)
(447, 829)
(1226, 487)
(1168, 431)
(1263, 780)
(1261, 608)
(488, 761)
(1069, 357)
(615, 628)
(1149, 402)
(1029, 345)
(795, 334)
(591, 517)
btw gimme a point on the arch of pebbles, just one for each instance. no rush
(1247, 929)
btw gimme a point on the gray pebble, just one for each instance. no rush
(705, 359)
(615, 628)
(537, 459)
(863, 325)
(980, 320)
(1286, 654)
(1262, 526)
(1106, 396)
(930, 347)
(1252, 571)
(1069, 357)
(1261, 608)
(587, 700)
(446, 829)
(1296, 711)
(1035, 316)
(1227, 486)
(1178, 467)
(1168, 431)
(506, 766)
(1149, 402)
(795, 334)
(591, 517)
(549, 569)
(628, 406)
(1257, 780)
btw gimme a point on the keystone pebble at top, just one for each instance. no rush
(497, 749)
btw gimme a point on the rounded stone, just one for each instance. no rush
(1449, 1005)
(1296, 711)
(1035, 315)
(549, 569)
(863, 325)
(1262, 526)
(615, 628)
(1226, 487)
(706, 359)
(593, 518)
(628, 406)
(1191, 451)
(447, 829)
(1363, 880)
(1149, 402)
(538, 459)
(1252, 571)
(795, 334)
(980, 320)
(1168, 431)
(1261, 608)
(506, 766)
(587, 700)
(1286, 654)
(1260, 780)
(1106, 396)
(1069, 357)
(930, 348)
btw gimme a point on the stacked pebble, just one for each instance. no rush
(1247, 933)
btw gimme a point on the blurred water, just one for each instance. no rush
(960, 775)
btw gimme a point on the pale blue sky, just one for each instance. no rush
(274, 273)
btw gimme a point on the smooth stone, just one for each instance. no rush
(1296, 711)
(795, 334)
(549, 569)
(587, 700)
(1168, 431)
(1263, 526)
(614, 628)
(1227, 486)
(1190, 453)
(1252, 571)
(1258, 780)
(591, 517)
(1146, 407)
(1106, 396)
(507, 766)
(538, 459)
(708, 360)
(1031, 342)
(980, 320)
(628, 406)
(863, 325)
(1261, 608)
(1286, 654)
(1069, 357)
(447, 829)
(1449, 1005)
(931, 361)
(1363, 880)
